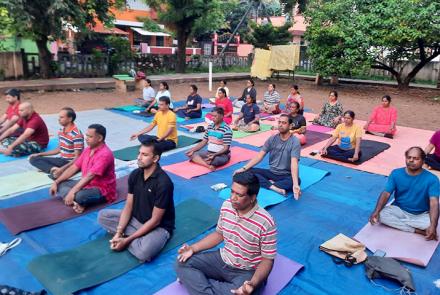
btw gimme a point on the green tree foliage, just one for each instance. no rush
(266, 34)
(121, 51)
(188, 17)
(45, 20)
(351, 36)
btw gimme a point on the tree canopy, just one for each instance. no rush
(351, 36)
(45, 20)
(266, 34)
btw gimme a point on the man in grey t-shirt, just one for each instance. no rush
(284, 154)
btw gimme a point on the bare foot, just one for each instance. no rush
(212, 168)
(187, 118)
(77, 208)
(278, 190)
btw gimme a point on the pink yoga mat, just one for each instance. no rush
(189, 170)
(257, 139)
(49, 211)
(318, 128)
(388, 160)
(409, 247)
(282, 273)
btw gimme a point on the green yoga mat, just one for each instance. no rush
(20, 182)
(131, 153)
(241, 134)
(123, 77)
(94, 263)
(129, 108)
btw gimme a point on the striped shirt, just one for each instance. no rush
(248, 238)
(218, 138)
(271, 98)
(70, 141)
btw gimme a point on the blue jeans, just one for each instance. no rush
(280, 181)
(86, 197)
(164, 145)
(185, 114)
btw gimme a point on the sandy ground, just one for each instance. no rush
(416, 107)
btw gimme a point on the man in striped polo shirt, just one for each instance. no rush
(250, 237)
(71, 144)
(218, 137)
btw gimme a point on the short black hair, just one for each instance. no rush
(165, 99)
(273, 85)
(194, 87)
(223, 91)
(224, 81)
(165, 85)
(351, 113)
(298, 106)
(219, 111)
(252, 82)
(157, 151)
(70, 113)
(387, 97)
(334, 92)
(148, 81)
(289, 118)
(421, 152)
(99, 129)
(249, 180)
(13, 92)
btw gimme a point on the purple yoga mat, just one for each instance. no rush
(49, 211)
(208, 105)
(282, 273)
(315, 137)
(318, 128)
(405, 246)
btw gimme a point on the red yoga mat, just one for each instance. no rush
(189, 170)
(49, 211)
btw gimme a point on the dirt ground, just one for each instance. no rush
(416, 107)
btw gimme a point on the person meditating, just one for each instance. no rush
(27, 136)
(98, 179)
(146, 222)
(294, 96)
(271, 100)
(433, 160)
(148, 94)
(348, 135)
(284, 154)
(223, 102)
(11, 116)
(165, 120)
(248, 91)
(331, 112)
(193, 107)
(416, 191)
(70, 146)
(382, 121)
(249, 118)
(223, 84)
(164, 90)
(298, 126)
(245, 261)
(218, 138)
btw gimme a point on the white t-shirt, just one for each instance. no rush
(164, 93)
(148, 93)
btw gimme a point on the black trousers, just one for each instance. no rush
(47, 163)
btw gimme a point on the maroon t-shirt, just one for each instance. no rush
(40, 135)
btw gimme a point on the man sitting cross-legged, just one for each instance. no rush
(165, 120)
(147, 220)
(284, 154)
(98, 181)
(71, 144)
(218, 137)
(416, 193)
(11, 116)
(244, 263)
(29, 135)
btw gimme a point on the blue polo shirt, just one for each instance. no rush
(412, 193)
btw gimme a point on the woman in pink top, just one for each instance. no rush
(294, 95)
(222, 101)
(383, 120)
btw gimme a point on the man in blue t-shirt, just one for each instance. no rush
(416, 192)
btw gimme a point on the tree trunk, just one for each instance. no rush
(182, 38)
(45, 57)
(438, 80)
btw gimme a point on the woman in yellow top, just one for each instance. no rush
(349, 137)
